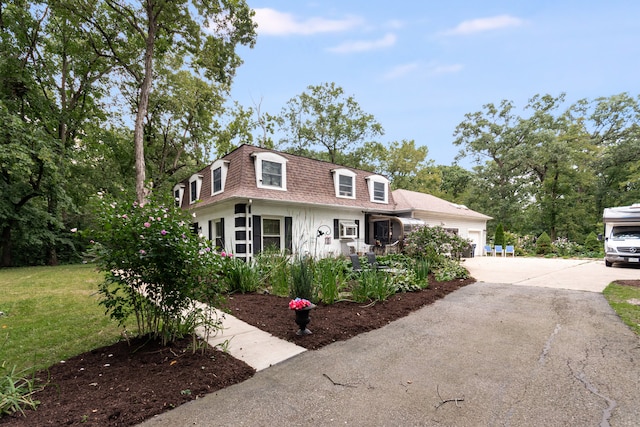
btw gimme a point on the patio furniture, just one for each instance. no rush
(487, 250)
(498, 250)
(355, 262)
(510, 249)
(373, 262)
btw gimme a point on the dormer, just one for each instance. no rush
(219, 170)
(378, 189)
(195, 184)
(344, 182)
(271, 170)
(178, 194)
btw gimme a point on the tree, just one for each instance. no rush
(324, 119)
(138, 33)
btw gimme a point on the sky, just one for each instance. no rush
(419, 66)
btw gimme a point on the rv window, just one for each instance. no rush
(625, 232)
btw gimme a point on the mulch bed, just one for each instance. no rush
(127, 383)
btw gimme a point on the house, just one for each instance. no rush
(254, 198)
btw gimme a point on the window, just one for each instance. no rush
(271, 170)
(271, 234)
(378, 191)
(348, 229)
(219, 233)
(194, 191)
(195, 184)
(271, 174)
(178, 192)
(217, 180)
(344, 182)
(378, 186)
(219, 170)
(346, 186)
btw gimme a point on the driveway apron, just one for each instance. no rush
(490, 354)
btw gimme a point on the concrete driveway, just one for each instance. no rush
(577, 274)
(490, 354)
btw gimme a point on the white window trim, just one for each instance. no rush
(180, 189)
(370, 184)
(280, 232)
(224, 168)
(197, 178)
(336, 182)
(270, 157)
(351, 225)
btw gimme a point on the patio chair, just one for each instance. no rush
(373, 262)
(487, 250)
(510, 249)
(355, 262)
(498, 250)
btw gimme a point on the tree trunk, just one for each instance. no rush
(145, 89)
(5, 248)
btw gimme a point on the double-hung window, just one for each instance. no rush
(271, 174)
(344, 181)
(271, 234)
(378, 188)
(271, 170)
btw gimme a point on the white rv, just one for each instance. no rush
(622, 234)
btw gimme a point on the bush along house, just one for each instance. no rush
(255, 199)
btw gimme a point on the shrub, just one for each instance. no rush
(241, 277)
(451, 270)
(274, 269)
(330, 276)
(302, 280)
(434, 244)
(543, 244)
(154, 266)
(498, 237)
(372, 285)
(592, 244)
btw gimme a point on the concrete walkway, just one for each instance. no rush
(490, 354)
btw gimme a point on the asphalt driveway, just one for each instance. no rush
(490, 354)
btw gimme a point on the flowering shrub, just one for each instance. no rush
(154, 265)
(434, 244)
(299, 304)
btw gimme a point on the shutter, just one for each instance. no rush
(288, 233)
(211, 230)
(257, 234)
(222, 243)
(336, 229)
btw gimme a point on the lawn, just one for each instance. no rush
(51, 313)
(625, 300)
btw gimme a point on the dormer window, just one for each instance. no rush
(271, 170)
(195, 184)
(219, 170)
(178, 194)
(344, 181)
(378, 189)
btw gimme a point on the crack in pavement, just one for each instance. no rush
(606, 412)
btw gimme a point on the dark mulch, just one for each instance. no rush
(124, 384)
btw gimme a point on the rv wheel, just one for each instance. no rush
(608, 263)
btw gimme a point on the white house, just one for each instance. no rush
(254, 198)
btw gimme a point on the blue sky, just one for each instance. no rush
(420, 66)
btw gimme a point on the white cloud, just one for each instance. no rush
(447, 69)
(273, 22)
(484, 24)
(365, 45)
(401, 71)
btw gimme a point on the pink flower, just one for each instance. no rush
(124, 216)
(142, 252)
(223, 254)
(298, 304)
(147, 225)
(163, 232)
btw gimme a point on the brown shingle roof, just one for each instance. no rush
(308, 181)
(411, 201)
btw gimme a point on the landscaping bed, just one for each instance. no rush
(117, 386)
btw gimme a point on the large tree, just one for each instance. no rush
(199, 35)
(323, 122)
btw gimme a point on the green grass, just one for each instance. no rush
(50, 314)
(619, 297)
